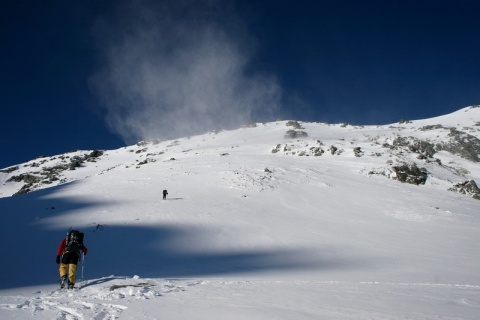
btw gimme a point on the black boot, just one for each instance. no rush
(70, 285)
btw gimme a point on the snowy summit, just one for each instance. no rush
(279, 220)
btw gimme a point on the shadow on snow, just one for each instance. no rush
(29, 247)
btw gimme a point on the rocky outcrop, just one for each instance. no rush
(298, 150)
(468, 188)
(358, 152)
(47, 175)
(294, 134)
(316, 151)
(294, 124)
(462, 144)
(277, 148)
(409, 173)
(9, 170)
(26, 178)
(421, 147)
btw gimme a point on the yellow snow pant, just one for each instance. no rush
(72, 271)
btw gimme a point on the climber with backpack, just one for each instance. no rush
(68, 254)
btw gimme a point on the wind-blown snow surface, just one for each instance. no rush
(312, 237)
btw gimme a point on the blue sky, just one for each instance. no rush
(103, 74)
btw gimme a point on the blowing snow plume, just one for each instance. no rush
(178, 68)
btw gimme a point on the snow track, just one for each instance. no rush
(99, 299)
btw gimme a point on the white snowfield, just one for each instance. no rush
(247, 233)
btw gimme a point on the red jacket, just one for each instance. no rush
(63, 244)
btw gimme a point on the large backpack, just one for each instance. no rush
(74, 241)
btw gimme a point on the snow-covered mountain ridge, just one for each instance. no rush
(444, 149)
(281, 220)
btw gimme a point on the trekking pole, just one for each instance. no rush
(83, 263)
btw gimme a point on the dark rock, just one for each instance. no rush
(316, 151)
(293, 134)
(415, 145)
(25, 177)
(432, 127)
(467, 188)
(388, 146)
(277, 148)
(294, 124)
(95, 154)
(333, 149)
(76, 162)
(25, 189)
(358, 152)
(462, 144)
(9, 170)
(410, 173)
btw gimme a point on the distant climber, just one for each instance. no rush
(165, 192)
(68, 254)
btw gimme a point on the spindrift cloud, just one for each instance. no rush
(172, 69)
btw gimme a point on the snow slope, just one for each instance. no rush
(248, 233)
